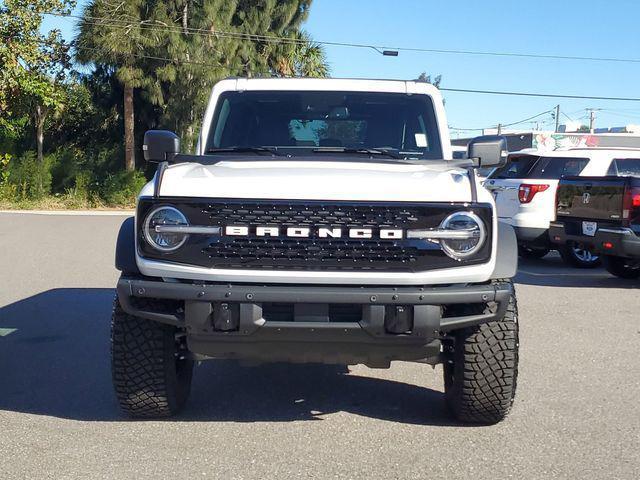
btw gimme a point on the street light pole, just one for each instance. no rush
(557, 118)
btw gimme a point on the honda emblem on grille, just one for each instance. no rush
(314, 232)
(586, 197)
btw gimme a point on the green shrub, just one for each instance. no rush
(64, 169)
(31, 178)
(7, 190)
(121, 189)
(68, 178)
(80, 194)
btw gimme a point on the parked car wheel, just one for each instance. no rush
(622, 267)
(530, 252)
(480, 377)
(577, 256)
(151, 370)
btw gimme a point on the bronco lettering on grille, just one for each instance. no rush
(309, 232)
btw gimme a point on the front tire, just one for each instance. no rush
(578, 257)
(621, 267)
(480, 379)
(151, 369)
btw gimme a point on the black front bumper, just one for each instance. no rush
(614, 241)
(246, 334)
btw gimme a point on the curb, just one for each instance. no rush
(127, 213)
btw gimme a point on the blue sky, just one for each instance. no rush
(582, 28)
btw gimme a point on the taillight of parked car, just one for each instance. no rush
(527, 191)
(631, 205)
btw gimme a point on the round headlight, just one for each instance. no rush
(472, 235)
(162, 238)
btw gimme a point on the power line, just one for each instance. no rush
(149, 57)
(544, 95)
(258, 37)
(379, 48)
(455, 90)
(502, 125)
(621, 115)
(567, 116)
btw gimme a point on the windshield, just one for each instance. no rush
(301, 123)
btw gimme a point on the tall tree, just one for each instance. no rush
(33, 64)
(113, 33)
(221, 38)
(173, 52)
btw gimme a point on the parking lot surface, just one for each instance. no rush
(576, 415)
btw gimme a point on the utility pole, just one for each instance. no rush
(557, 118)
(499, 129)
(592, 119)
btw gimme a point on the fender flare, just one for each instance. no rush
(126, 248)
(507, 254)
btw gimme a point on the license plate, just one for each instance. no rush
(589, 228)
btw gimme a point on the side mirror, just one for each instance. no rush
(488, 151)
(160, 145)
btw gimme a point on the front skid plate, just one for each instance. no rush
(365, 341)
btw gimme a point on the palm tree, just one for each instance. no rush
(173, 54)
(112, 33)
(303, 58)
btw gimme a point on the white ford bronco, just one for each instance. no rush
(320, 220)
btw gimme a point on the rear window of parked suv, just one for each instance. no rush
(625, 167)
(556, 167)
(517, 167)
(530, 166)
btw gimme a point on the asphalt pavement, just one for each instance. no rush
(576, 415)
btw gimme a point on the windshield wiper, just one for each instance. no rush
(270, 150)
(364, 151)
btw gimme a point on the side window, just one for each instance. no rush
(613, 168)
(222, 121)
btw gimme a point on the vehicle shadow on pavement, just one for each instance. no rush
(56, 363)
(227, 391)
(550, 271)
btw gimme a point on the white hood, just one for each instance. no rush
(317, 180)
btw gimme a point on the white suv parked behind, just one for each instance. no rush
(525, 193)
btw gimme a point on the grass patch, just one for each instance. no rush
(65, 202)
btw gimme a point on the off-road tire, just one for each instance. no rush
(534, 253)
(570, 257)
(151, 373)
(621, 267)
(481, 376)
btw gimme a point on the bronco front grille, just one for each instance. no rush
(332, 254)
(310, 214)
(360, 254)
